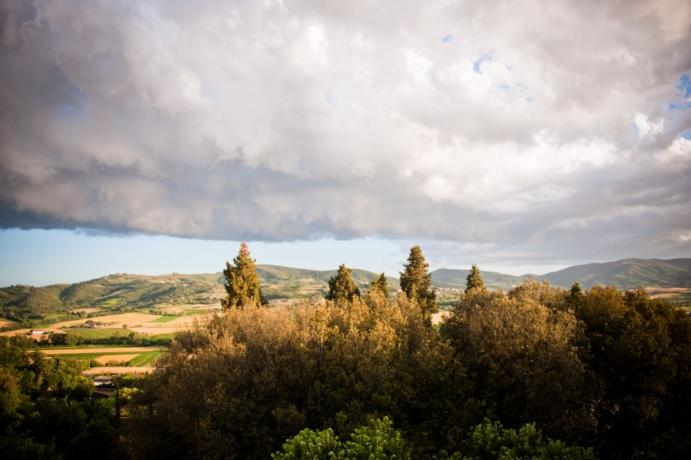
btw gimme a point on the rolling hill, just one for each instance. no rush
(112, 293)
(280, 282)
(456, 279)
(626, 274)
(623, 274)
(124, 292)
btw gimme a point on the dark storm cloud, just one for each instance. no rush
(296, 119)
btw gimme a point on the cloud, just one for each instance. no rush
(647, 128)
(286, 120)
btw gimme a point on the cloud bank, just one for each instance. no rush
(516, 130)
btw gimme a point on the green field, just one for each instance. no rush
(144, 358)
(110, 302)
(165, 319)
(104, 333)
(197, 311)
(164, 336)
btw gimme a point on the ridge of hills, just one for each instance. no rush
(126, 292)
(626, 274)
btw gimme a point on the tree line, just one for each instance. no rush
(243, 286)
(48, 410)
(536, 372)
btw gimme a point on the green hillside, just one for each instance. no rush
(298, 283)
(31, 302)
(113, 293)
(452, 278)
(123, 292)
(626, 274)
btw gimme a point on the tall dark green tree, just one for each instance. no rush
(474, 281)
(576, 296)
(242, 281)
(416, 282)
(380, 285)
(342, 286)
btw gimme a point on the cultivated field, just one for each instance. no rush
(6, 322)
(94, 371)
(96, 351)
(104, 360)
(109, 360)
(165, 319)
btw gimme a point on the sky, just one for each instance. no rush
(153, 136)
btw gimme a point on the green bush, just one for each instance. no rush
(375, 441)
(490, 440)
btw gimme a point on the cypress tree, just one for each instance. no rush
(474, 281)
(576, 296)
(242, 281)
(380, 285)
(416, 282)
(342, 286)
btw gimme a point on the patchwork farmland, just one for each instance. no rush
(108, 360)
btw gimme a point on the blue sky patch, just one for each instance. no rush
(76, 108)
(684, 85)
(477, 64)
(679, 105)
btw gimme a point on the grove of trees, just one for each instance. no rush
(49, 411)
(536, 372)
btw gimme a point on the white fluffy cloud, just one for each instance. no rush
(516, 129)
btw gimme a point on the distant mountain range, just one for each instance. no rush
(130, 292)
(624, 274)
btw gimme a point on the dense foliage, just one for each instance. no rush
(254, 377)
(48, 410)
(603, 369)
(377, 440)
(490, 440)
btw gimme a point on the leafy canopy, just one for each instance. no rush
(377, 440)
(492, 440)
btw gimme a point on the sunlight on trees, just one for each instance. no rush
(341, 286)
(416, 282)
(242, 282)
